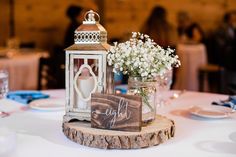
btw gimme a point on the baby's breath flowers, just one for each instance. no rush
(141, 57)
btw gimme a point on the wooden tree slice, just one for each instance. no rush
(157, 132)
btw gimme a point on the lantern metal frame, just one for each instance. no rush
(90, 44)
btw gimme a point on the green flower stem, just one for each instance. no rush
(145, 98)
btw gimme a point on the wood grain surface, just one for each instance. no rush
(116, 112)
(159, 131)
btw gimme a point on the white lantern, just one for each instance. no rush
(86, 68)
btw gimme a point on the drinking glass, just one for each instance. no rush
(3, 83)
(163, 86)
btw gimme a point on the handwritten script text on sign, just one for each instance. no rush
(118, 112)
(121, 112)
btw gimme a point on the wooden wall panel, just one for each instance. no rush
(4, 21)
(44, 22)
(207, 13)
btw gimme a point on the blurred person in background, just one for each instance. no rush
(183, 22)
(225, 47)
(194, 34)
(75, 14)
(57, 57)
(192, 54)
(225, 39)
(159, 29)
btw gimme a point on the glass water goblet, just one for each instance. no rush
(3, 83)
(163, 86)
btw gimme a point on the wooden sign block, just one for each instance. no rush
(116, 112)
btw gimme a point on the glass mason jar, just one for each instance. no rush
(147, 90)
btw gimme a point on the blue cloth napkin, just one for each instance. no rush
(230, 102)
(26, 97)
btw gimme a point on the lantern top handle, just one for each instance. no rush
(91, 17)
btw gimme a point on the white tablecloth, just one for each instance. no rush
(192, 56)
(40, 133)
(22, 68)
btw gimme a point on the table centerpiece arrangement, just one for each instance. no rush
(95, 116)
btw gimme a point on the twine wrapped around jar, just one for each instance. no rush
(147, 90)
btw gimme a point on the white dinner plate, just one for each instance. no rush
(211, 111)
(50, 104)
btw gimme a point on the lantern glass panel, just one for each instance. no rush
(87, 78)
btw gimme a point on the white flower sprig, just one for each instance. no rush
(141, 56)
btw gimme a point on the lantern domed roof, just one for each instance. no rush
(90, 31)
(90, 35)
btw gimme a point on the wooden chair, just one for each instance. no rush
(229, 81)
(46, 79)
(211, 78)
